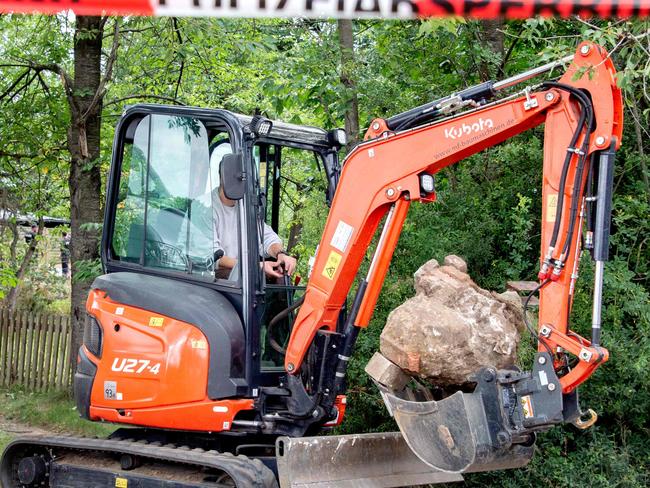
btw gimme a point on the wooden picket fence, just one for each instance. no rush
(34, 351)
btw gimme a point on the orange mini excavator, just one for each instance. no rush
(225, 376)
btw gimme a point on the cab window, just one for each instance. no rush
(165, 212)
(293, 184)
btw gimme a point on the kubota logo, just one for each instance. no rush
(455, 132)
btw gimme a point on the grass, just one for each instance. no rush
(54, 412)
(5, 438)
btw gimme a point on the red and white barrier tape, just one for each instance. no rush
(386, 9)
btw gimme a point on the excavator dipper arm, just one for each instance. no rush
(582, 113)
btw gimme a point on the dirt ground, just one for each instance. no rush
(10, 429)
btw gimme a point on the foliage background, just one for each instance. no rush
(488, 206)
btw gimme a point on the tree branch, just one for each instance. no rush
(10, 299)
(639, 141)
(25, 85)
(66, 80)
(15, 83)
(130, 31)
(108, 73)
(506, 58)
(17, 155)
(103, 21)
(180, 41)
(46, 88)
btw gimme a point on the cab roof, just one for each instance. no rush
(281, 131)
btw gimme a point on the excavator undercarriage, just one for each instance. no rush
(379, 460)
(126, 460)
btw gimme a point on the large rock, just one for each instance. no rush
(452, 327)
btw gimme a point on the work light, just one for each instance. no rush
(261, 126)
(427, 183)
(337, 137)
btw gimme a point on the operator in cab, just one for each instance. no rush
(226, 232)
(226, 238)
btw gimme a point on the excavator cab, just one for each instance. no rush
(167, 305)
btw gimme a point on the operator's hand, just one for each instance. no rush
(289, 262)
(273, 269)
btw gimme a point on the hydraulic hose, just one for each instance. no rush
(574, 206)
(281, 315)
(569, 155)
(530, 328)
(416, 120)
(430, 111)
(577, 187)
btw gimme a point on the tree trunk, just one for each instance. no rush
(346, 43)
(12, 296)
(491, 35)
(85, 177)
(4, 215)
(295, 231)
(14, 244)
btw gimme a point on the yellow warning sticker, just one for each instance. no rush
(332, 265)
(121, 483)
(198, 344)
(527, 406)
(551, 207)
(156, 321)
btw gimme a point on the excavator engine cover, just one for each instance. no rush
(491, 428)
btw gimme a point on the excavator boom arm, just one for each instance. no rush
(583, 115)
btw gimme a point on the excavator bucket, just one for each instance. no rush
(454, 435)
(468, 432)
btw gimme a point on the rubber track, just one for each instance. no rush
(244, 471)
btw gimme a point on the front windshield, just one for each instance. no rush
(165, 216)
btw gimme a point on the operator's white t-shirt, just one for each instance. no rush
(226, 233)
